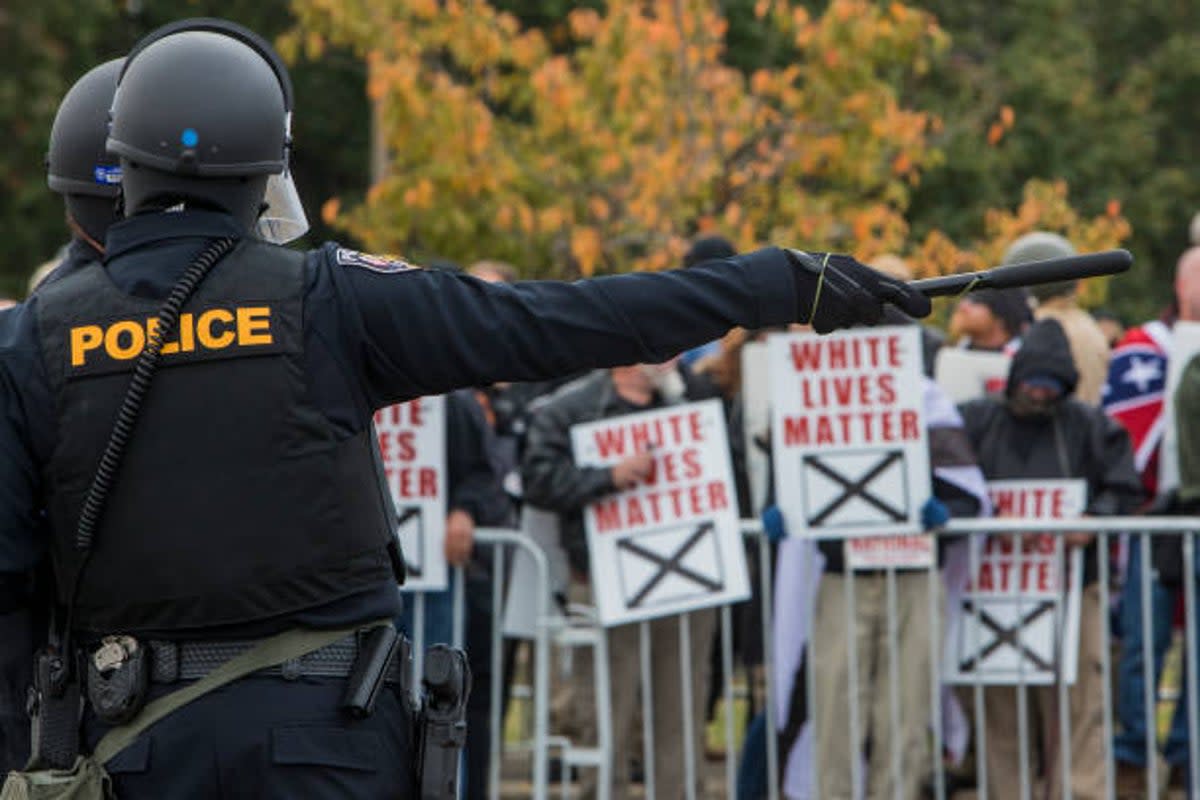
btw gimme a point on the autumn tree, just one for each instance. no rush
(1083, 91)
(611, 153)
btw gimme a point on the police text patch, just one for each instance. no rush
(202, 334)
(383, 264)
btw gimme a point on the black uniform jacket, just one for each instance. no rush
(378, 332)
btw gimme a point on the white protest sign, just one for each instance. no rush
(412, 443)
(1019, 620)
(848, 432)
(1185, 338)
(671, 544)
(968, 374)
(879, 552)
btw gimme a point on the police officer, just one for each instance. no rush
(242, 501)
(78, 168)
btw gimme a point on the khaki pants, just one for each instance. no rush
(909, 736)
(575, 701)
(1043, 742)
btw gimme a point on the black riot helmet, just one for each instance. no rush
(77, 165)
(201, 117)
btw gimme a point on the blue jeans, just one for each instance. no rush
(752, 771)
(1130, 743)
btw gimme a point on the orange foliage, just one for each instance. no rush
(612, 153)
(1044, 207)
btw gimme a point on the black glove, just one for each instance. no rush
(845, 293)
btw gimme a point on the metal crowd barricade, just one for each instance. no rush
(553, 627)
(1141, 529)
(1105, 529)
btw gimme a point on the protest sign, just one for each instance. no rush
(412, 444)
(849, 444)
(1019, 620)
(901, 552)
(670, 544)
(969, 374)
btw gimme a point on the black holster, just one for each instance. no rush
(442, 722)
(55, 709)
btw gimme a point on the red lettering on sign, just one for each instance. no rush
(865, 352)
(397, 445)
(659, 505)
(674, 430)
(608, 517)
(851, 428)
(824, 391)
(412, 482)
(610, 442)
(887, 389)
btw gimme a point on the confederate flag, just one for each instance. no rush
(1135, 390)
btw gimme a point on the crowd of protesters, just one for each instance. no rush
(1084, 398)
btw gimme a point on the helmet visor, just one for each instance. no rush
(283, 220)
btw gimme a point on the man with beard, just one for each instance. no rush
(1038, 430)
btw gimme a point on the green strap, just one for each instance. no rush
(267, 653)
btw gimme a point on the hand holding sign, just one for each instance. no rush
(633, 470)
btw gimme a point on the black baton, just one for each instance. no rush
(1033, 273)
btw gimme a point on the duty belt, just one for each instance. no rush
(189, 661)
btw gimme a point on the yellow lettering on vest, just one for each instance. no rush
(204, 329)
(254, 325)
(187, 332)
(112, 340)
(84, 338)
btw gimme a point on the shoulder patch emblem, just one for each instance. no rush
(382, 264)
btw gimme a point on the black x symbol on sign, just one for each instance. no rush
(1010, 636)
(671, 564)
(403, 515)
(856, 488)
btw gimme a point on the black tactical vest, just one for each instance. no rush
(237, 500)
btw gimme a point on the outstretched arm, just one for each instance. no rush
(421, 332)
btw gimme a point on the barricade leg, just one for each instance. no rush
(1149, 673)
(644, 650)
(768, 577)
(895, 752)
(727, 692)
(686, 702)
(496, 701)
(1189, 695)
(935, 611)
(975, 544)
(1110, 778)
